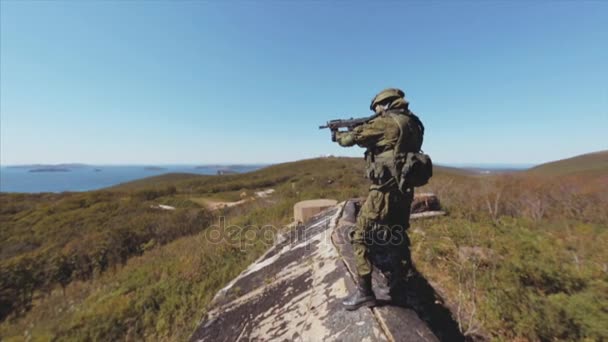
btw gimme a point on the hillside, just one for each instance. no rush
(591, 164)
(522, 256)
(331, 168)
(264, 177)
(51, 240)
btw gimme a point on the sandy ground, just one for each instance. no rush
(215, 205)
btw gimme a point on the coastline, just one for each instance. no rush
(55, 179)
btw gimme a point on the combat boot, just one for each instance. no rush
(364, 296)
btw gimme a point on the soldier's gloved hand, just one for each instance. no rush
(345, 139)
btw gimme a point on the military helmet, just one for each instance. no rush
(386, 94)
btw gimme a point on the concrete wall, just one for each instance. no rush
(305, 210)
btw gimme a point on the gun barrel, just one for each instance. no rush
(349, 123)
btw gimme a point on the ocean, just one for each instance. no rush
(78, 177)
(60, 178)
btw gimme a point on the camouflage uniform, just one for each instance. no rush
(384, 216)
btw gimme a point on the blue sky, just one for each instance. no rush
(244, 82)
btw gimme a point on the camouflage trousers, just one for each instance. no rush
(380, 232)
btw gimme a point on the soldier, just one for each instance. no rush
(384, 217)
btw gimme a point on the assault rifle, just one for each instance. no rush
(335, 125)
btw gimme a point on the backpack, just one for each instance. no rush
(414, 169)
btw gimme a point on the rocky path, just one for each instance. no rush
(294, 292)
(216, 205)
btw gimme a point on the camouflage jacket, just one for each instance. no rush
(380, 136)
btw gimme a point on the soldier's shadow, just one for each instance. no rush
(384, 302)
(417, 294)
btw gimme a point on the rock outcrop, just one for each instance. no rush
(294, 292)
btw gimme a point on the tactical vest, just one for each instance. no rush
(382, 167)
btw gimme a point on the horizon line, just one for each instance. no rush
(459, 164)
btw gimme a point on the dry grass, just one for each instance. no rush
(520, 257)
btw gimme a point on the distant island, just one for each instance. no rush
(49, 166)
(154, 168)
(225, 167)
(226, 172)
(230, 168)
(50, 169)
